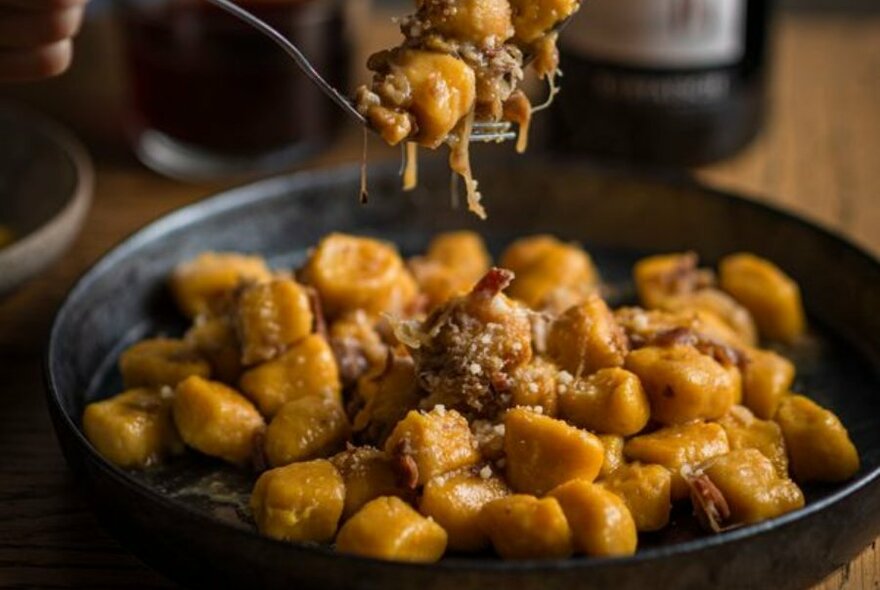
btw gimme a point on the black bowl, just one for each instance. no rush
(187, 519)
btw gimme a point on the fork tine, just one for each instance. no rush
(493, 137)
(492, 131)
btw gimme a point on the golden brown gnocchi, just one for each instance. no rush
(610, 401)
(676, 447)
(367, 473)
(299, 502)
(647, 492)
(216, 420)
(771, 296)
(741, 487)
(384, 396)
(745, 431)
(307, 369)
(819, 447)
(767, 378)
(160, 361)
(209, 281)
(389, 528)
(432, 443)
(601, 523)
(473, 21)
(454, 501)
(309, 427)
(462, 252)
(133, 429)
(549, 274)
(271, 316)
(533, 18)
(525, 527)
(543, 452)
(352, 273)
(683, 384)
(587, 338)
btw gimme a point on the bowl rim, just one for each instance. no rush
(293, 182)
(68, 220)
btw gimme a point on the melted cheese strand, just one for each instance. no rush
(410, 166)
(364, 194)
(518, 110)
(460, 162)
(522, 137)
(553, 90)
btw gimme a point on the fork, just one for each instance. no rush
(483, 131)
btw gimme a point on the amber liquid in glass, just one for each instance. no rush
(209, 81)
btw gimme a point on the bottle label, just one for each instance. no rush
(673, 34)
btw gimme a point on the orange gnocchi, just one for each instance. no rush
(401, 410)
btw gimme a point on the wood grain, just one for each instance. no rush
(820, 155)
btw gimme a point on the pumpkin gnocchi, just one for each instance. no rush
(406, 409)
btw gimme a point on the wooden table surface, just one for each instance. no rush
(820, 155)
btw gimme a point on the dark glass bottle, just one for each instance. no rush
(212, 98)
(677, 82)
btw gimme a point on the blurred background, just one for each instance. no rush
(173, 80)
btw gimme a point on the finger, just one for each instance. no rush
(24, 29)
(20, 65)
(42, 5)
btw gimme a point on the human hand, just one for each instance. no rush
(36, 37)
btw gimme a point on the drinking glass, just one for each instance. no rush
(212, 98)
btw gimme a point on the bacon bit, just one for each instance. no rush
(710, 506)
(350, 358)
(500, 382)
(258, 456)
(636, 341)
(391, 360)
(675, 336)
(317, 311)
(405, 466)
(493, 282)
(683, 277)
(724, 354)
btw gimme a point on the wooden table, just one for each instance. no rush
(820, 156)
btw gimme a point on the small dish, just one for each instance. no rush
(46, 182)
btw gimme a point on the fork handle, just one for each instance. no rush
(294, 52)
